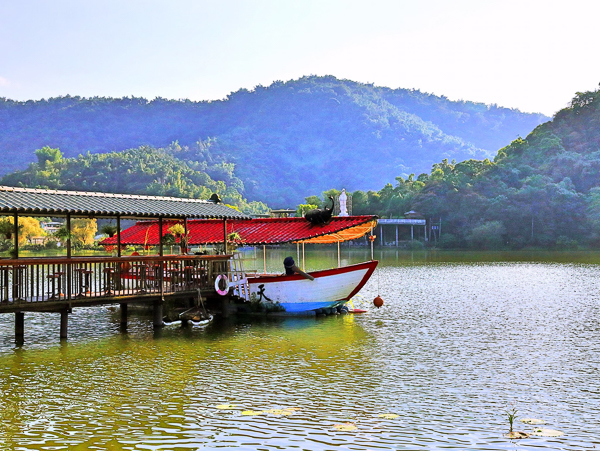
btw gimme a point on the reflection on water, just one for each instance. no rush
(456, 341)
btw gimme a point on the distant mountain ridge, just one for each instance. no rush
(285, 140)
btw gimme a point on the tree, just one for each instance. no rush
(28, 228)
(46, 154)
(84, 230)
(303, 208)
(109, 229)
(489, 235)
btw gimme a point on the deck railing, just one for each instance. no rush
(86, 279)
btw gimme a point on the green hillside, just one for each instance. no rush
(144, 170)
(541, 191)
(307, 134)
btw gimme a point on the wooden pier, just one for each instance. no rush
(61, 284)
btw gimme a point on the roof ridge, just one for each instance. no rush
(99, 194)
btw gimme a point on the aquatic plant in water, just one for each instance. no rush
(532, 421)
(512, 415)
(511, 412)
(543, 432)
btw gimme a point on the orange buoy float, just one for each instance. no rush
(378, 302)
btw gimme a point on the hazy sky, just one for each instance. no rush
(526, 54)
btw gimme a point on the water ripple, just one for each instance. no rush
(454, 345)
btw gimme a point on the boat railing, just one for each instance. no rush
(28, 281)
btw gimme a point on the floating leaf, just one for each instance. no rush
(532, 421)
(388, 416)
(345, 427)
(225, 406)
(516, 434)
(252, 412)
(279, 411)
(543, 432)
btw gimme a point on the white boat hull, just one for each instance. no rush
(295, 294)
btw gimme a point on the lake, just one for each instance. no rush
(462, 337)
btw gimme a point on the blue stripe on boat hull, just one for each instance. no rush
(297, 307)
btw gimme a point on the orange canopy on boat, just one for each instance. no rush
(251, 231)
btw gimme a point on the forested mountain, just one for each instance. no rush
(543, 190)
(283, 140)
(144, 170)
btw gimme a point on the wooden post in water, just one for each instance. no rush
(19, 326)
(64, 323)
(158, 314)
(225, 306)
(123, 315)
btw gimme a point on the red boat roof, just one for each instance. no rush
(252, 231)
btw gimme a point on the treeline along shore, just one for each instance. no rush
(539, 191)
(276, 145)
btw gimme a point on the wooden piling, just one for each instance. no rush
(19, 325)
(123, 315)
(158, 314)
(64, 323)
(225, 306)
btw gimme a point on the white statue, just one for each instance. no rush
(343, 198)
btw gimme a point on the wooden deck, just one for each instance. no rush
(53, 284)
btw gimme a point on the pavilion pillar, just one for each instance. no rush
(185, 235)
(225, 236)
(264, 259)
(69, 267)
(371, 240)
(119, 236)
(381, 233)
(303, 266)
(412, 233)
(64, 323)
(161, 274)
(397, 234)
(16, 234)
(160, 236)
(19, 326)
(68, 235)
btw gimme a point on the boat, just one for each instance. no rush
(293, 294)
(297, 294)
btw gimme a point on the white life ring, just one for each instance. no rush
(218, 284)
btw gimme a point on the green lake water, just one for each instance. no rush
(460, 337)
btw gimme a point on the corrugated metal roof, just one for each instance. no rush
(54, 202)
(251, 231)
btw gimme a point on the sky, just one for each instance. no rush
(527, 54)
